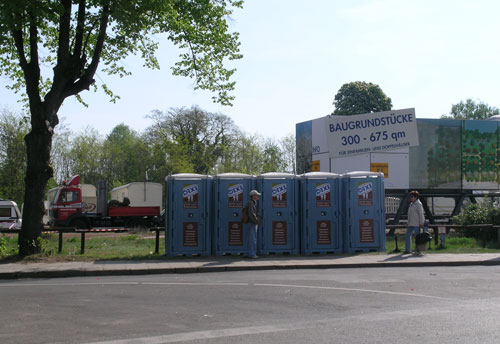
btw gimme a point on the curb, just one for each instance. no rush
(40, 274)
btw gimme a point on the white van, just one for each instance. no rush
(10, 217)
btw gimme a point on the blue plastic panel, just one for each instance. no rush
(364, 212)
(231, 193)
(188, 215)
(321, 214)
(279, 232)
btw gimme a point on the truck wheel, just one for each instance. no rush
(131, 223)
(135, 226)
(79, 224)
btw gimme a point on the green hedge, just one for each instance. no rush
(476, 214)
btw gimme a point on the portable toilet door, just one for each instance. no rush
(231, 192)
(278, 233)
(364, 211)
(188, 215)
(321, 213)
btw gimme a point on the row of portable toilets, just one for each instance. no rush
(314, 213)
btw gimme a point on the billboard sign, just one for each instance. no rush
(371, 133)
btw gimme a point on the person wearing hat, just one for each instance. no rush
(253, 223)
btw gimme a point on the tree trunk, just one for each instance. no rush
(38, 172)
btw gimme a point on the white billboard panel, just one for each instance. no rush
(371, 133)
(360, 162)
(319, 142)
(398, 169)
(321, 162)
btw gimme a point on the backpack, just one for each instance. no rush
(244, 215)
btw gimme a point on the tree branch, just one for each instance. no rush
(89, 33)
(61, 74)
(64, 32)
(88, 76)
(33, 42)
(191, 49)
(30, 69)
(17, 34)
(32, 73)
(79, 29)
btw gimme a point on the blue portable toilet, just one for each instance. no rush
(188, 214)
(364, 211)
(321, 213)
(231, 192)
(279, 231)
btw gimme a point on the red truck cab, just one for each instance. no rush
(67, 201)
(75, 205)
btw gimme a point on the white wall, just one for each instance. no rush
(397, 160)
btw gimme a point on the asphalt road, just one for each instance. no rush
(372, 305)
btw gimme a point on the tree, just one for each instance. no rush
(288, 149)
(360, 97)
(167, 158)
(127, 157)
(471, 110)
(272, 157)
(69, 39)
(12, 156)
(86, 156)
(243, 154)
(198, 135)
(60, 153)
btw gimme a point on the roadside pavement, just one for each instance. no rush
(237, 263)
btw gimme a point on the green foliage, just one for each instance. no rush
(74, 39)
(181, 140)
(473, 214)
(243, 154)
(471, 110)
(130, 237)
(12, 156)
(3, 246)
(273, 159)
(360, 97)
(126, 156)
(45, 248)
(289, 155)
(477, 214)
(119, 246)
(494, 215)
(195, 138)
(86, 156)
(60, 158)
(52, 50)
(8, 246)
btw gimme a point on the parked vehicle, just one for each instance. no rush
(78, 205)
(46, 217)
(139, 194)
(10, 217)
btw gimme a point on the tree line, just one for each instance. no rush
(180, 140)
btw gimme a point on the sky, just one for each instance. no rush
(424, 54)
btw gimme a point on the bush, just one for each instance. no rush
(8, 246)
(494, 215)
(476, 214)
(3, 247)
